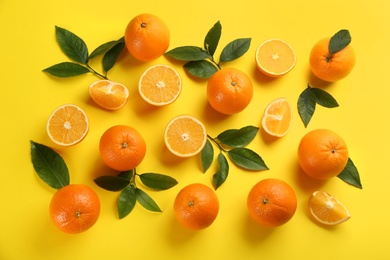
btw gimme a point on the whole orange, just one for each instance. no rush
(229, 91)
(322, 154)
(272, 202)
(147, 37)
(331, 67)
(196, 206)
(74, 208)
(122, 147)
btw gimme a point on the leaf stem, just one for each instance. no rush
(217, 143)
(132, 179)
(95, 72)
(216, 63)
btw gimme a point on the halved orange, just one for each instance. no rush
(67, 125)
(160, 85)
(108, 94)
(185, 136)
(327, 209)
(277, 117)
(275, 57)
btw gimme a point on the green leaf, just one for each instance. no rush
(49, 165)
(72, 45)
(247, 159)
(126, 201)
(339, 41)
(200, 68)
(111, 56)
(66, 69)
(212, 38)
(188, 53)
(157, 181)
(146, 201)
(235, 49)
(112, 183)
(324, 99)
(238, 137)
(306, 105)
(104, 48)
(351, 175)
(207, 155)
(127, 174)
(221, 175)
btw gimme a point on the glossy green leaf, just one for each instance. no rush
(212, 38)
(146, 201)
(306, 105)
(111, 56)
(207, 156)
(238, 137)
(157, 181)
(49, 165)
(72, 45)
(66, 69)
(247, 159)
(126, 201)
(221, 175)
(200, 68)
(188, 53)
(350, 175)
(324, 99)
(104, 48)
(339, 41)
(112, 183)
(235, 49)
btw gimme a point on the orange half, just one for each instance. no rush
(185, 136)
(275, 57)
(327, 209)
(160, 85)
(108, 94)
(277, 117)
(67, 125)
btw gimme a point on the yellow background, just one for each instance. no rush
(28, 96)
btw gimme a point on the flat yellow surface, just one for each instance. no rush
(28, 96)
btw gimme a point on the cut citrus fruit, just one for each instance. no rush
(327, 209)
(160, 85)
(277, 117)
(275, 57)
(67, 125)
(185, 136)
(108, 94)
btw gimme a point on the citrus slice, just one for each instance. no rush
(67, 125)
(160, 85)
(108, 94)
(277, 117)
(327, 209)
(275, 57)
(185, 136)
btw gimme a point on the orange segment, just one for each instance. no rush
(109, 94)
(185, 136)
(160, 85)
(67, 125)
(277, 117)
(275, 57)
(327, 209)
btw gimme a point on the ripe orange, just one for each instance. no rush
(147, 37)
(67, 125)
(277, 117)
(185, 136)
(327, 209)
(331, 67)
(322, 154)
(275, 57)
(74, 208)
(160, 85)
(229, 91)
(109, 94)
(196, 206)
(122, 147)
(272, 202)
